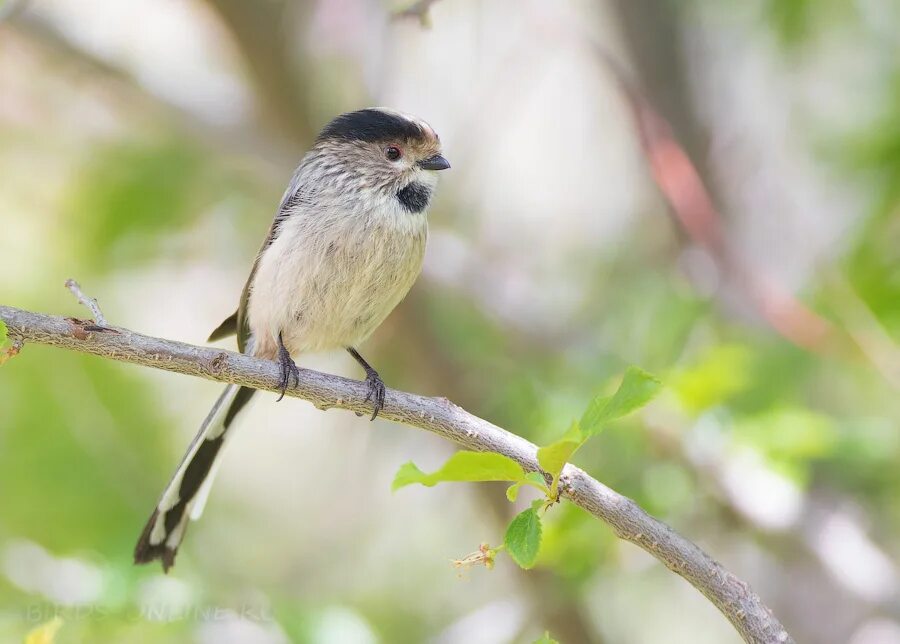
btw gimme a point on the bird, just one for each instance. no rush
(346, 245)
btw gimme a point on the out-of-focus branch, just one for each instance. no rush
(263, 34)
(693, 209)
(418, 10)
(733, 597)
(671, 139)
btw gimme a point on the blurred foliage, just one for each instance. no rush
(797, 21)
(106, 401)
(790, 440)
(873, 263)
(725, 370)
(128, 195)
(791, 18)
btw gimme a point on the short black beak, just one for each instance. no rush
(437, 162)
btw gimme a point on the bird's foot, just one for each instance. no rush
(376, 392)
(289, 369)
(374, 381)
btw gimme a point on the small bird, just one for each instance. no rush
(345, 247)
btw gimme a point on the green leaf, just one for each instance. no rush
(534, 479)
(3, 333)
(545, 639)
(553, 457)
(637, 389)
(462, 466)
(523, 538)
(408, 474)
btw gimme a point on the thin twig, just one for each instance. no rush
(89, 302)
(733, 597)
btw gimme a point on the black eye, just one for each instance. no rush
(393, 153)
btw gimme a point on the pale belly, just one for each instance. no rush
(332, 291)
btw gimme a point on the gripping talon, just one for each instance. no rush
(374, 381)
(289, 368)
(376, 392)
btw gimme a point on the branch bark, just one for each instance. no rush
(733, 597)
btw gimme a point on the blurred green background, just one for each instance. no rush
(143, 148)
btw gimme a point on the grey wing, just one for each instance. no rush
(294, 197)
(228, 327)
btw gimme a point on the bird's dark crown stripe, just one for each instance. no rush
(414, 197)
(371, 126)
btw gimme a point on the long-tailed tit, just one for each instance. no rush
(346, 246)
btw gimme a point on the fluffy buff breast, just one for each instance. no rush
(330, 279)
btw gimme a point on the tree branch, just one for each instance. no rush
(733, 597)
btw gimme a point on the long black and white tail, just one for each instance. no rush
(186, 494)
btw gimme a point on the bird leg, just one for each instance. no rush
(374, 381)
(288, 368)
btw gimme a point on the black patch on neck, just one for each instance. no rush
(414, 196)
(371, 126)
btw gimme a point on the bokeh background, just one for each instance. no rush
(708, 189)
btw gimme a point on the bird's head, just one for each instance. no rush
(382, 150)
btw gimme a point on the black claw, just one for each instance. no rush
(376, 392)
(288, 368)
(374, 381)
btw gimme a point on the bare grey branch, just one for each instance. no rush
(733, 597)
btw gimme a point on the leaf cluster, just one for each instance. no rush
(523, 535)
